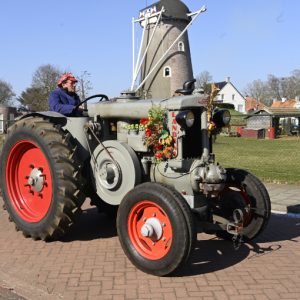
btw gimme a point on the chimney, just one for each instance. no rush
(297, 98)
(227, 79)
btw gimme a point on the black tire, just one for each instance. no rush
(171, 210)
(242, 189)
(59, 191)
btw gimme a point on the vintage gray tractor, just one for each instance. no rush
(150, 158)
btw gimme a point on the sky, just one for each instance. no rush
(245, 40)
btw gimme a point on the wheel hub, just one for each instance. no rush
(109, 175)
(152, 229)
(36, 180)
(116, 169)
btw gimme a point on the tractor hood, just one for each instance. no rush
(135, 109)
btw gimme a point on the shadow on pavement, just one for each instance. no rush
(280, 228)
(216, 254)
(295, 209)
(211, 254)
(91, 225)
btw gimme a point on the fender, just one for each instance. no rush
(53, 116)
(74, 125)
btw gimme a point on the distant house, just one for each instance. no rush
(252, 104)
(7, 116)
(230, 94)
(292, 103)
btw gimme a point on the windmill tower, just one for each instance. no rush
(164, 60)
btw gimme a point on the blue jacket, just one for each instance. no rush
(62, 102)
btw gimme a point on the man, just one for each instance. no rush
(64, 99)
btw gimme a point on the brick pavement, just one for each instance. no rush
(89, 264)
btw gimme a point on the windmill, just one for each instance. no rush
(163, 62)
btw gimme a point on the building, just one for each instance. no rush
(276, 120)
(252, 104)
(173, 67)
(7, 116)
(230, 94)
(292, 103)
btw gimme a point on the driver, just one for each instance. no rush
(64, 99)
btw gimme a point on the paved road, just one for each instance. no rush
(284, 198)
(89, 263)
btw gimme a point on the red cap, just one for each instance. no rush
(64, 77)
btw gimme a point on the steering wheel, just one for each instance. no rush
(101, 96)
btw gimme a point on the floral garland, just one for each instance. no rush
(157, 136)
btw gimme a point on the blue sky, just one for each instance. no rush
(246, 40)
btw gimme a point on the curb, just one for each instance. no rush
(286, 214)
(24, 289)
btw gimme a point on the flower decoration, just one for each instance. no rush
(157, 136)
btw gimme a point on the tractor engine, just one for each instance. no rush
(121, 159)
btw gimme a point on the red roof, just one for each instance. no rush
(253, 104)
(288, 103)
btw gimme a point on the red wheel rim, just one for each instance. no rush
(248, 216)
(29, 181)
(148, 247)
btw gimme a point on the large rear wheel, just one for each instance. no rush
(40, 178)
(156, 228)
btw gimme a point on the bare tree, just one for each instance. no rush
(295, 82)
(84, 85)
(258, 90)
(274, 88)
(284, 87)
(45, 78)
(203, 80)
(6, 93)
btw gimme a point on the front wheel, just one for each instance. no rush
(246, 192)
(156, 228)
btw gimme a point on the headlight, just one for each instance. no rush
(185, 119)
(221, 117)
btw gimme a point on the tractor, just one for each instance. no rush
(150, 161)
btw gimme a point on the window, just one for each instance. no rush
(167, 72)
(240, 108)
(233, 95)
(181, 46)
(222, 96)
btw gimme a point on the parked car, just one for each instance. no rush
(294, 130)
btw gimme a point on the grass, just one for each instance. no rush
(275, 161)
